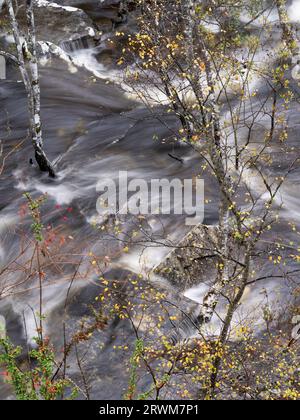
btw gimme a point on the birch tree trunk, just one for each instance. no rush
(36, 124)
(217, 153)
(28, 65)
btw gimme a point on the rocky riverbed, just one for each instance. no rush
(94, 127)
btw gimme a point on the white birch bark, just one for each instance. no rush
(41, 158)
(18, 43)
(217, 155)
(28, 65)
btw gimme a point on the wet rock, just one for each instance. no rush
(192, 263)
(109, 17)
(108, 14)
(194, 259)
(57, 23)
(96, 9)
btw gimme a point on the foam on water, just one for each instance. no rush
(294, 11)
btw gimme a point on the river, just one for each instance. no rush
(93, 129)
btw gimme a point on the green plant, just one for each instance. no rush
(34, 381)
(134, 364)
(34, 207)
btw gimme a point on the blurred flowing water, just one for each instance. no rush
(94, 130)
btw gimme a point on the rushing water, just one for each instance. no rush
(93, 130)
